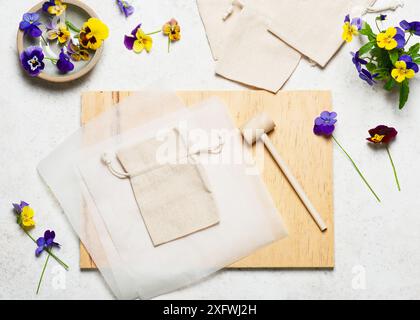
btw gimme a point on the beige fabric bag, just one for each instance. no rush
(171, 190)
(311, 27)
(254, 56)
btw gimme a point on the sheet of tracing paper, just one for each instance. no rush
(260, 44)
(104, 213)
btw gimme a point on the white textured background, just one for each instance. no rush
(382, 239)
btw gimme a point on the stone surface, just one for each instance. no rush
(375, 242)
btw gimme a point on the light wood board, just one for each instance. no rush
(309, 157)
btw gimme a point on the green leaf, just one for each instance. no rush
(390, 84)
(414, 50)
(371, 67)
(366, 48)
(417, 60)
(393, 55)
(367, 31)
(404, 92)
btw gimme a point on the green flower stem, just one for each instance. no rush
(357, 169)
(42, 274)
(51, 59)
(169, 44)
(71, 26)
(65, 266)
(45, 41)
(393, 168)
(408, 39)
(377, 26)
(148, 34)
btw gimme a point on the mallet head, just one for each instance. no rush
(256, 127)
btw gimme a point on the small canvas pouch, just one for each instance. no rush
(171, 190)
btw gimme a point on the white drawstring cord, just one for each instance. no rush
(229, 11)
(106, 160)
(392, 6)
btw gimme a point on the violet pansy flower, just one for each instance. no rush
(32, 61)
(64, 64)
(46, 242)
(325, 123)
(357, 61)
(30, 24)
(125, 8)
(365, 75)
(412, 27)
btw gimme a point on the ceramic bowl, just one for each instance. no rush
(77, 12)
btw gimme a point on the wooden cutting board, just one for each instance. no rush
(309, 157)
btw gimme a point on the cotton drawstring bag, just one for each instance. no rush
(131, 264)
(172, 193)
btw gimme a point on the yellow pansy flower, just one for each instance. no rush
(400, 73)
(27, 217)
(172, 30)
(93, 33)
(349, 31)
(390, 39)
(143, 41)
(54, 7)
(61, 32)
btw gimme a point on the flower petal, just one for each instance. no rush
(129, 42)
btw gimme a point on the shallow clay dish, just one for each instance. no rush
(77, 12)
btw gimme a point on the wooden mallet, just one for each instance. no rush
(257, 129)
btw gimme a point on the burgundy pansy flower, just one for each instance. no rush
(324, 125)
(384, 135)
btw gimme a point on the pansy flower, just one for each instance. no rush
(76, 52)
(324, 125)
(27, 217)
(30, 24)
(125, 7)
(357, 61)
(63, 63)
(32, 61)
(405, 68)
(54, 7)
(381, 17)
(59, 31)
(138, 40)
(351, 28)
(384, 135)
(412, 27)
(172, 30)
(390, 39)
(368, 77)
(46, 242)
(93, 33)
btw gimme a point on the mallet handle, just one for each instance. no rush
(295, 184)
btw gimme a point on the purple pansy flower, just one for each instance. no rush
(129, 40)
(125, 7)
(412, 27)
(64, 64)
(365, 75)
(381, 17)
(18, 207)
(32, 60)
(325, 123)
(358, 62)
(46, 242)
(400, 38)
(409, 63)
(30, 24)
